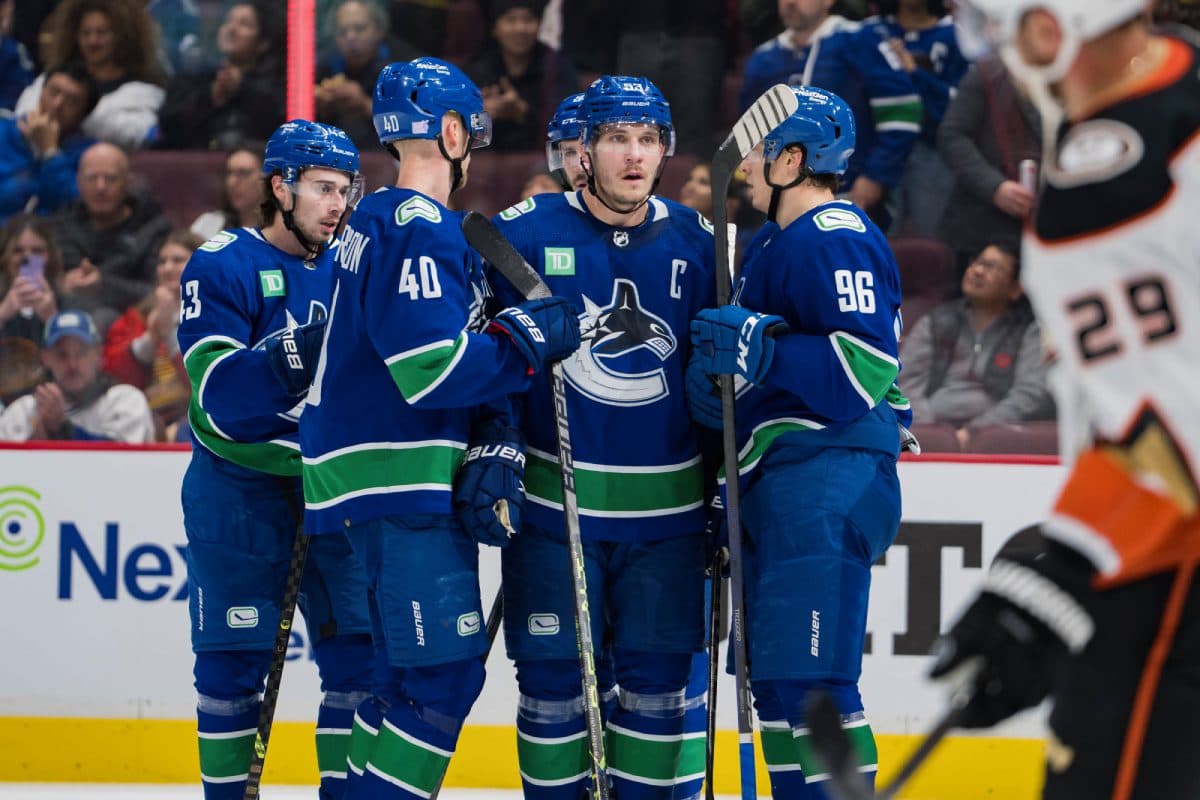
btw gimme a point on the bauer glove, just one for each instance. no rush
(732, 340)
(1024, 623)
(544, 330)
(293, 356)
(489, 499)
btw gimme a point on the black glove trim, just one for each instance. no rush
(1043, 600)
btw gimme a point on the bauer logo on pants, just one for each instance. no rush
(242, 617)
(543, 624)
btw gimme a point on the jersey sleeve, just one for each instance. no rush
(230, 381)
(895, 106)
(846, 369)
(419, 305)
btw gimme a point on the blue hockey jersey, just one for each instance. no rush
(940, 65)
(403, 366)
(638, 471)
(832, 277)
(848, 59)
(238, 291)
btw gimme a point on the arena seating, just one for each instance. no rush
(1029, 438)
(926, 275)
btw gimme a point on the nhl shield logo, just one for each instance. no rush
(620, 238)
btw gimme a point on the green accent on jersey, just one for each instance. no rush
(548, 762)
(897, 113)
(418, 372)
(272, 457)
(227, 756)
(642, 758)
(560, 261)
(870, 370)
(416, 765)
(706, 224)
(862, 743)
(832, 219)
(272, 283)
(381, 469)
(219, 241)
(762, 437)
(362, 744)
(608, 491)
(415, 207)
(896, 398)
(332, 750)
(523, 207)
(778, 745)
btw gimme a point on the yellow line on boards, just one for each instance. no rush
(164, 751)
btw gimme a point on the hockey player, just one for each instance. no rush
(1107, 620)
(816, 435)
(641, 267)
(563, 148)
(395, 419)
(250, 295)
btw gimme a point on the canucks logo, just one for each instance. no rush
(625, 347)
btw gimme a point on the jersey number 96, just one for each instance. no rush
(856, 290)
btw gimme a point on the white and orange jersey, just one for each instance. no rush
(1112, 266)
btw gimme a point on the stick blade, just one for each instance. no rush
(485, 237)
(832, 746)
(763, 116)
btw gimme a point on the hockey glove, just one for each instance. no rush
(703, 395)
(489, 499)
(293, 356)
(1022, 626)
(732, 340)
(544, 330)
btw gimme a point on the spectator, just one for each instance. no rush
(978, 360)
(826, 51)
(32, 265)
(16, 67)
(141, 348)
(420, 24)
(178, 28)
(109, 238)
(521, 78)
(241, 99)
(40, 150)
(346, 80)
(696, 193)
(80, 401)
(539, 182)
(242, 194)
(989, 128)
(920, 36)
(115, 40)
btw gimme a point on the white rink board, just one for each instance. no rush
(113, 642)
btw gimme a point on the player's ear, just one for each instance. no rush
(454, 134)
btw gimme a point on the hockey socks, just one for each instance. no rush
(226, 730)
(335, 719)
(552, 748)
(689, 776)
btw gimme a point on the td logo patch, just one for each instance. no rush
(272, 282)
(560, 261)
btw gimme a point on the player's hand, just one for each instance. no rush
(544, 330)
(732, 340)
(489, 499)
(907, 62)
(703, 395)
(1013, 199)
(293, 356)
(1020, 626)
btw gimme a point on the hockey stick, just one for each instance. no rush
(775, 105)
(716, 618)
(493, 625)
(491, 244)
(283, 637)
(832, 746)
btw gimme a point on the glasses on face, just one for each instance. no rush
(990, 263)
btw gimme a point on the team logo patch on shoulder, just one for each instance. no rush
(219, 241)
(560, 261)
(704, 223)
(523, 207)
(417, 208)
(1096, 151)
(832, 219)
(272, 283)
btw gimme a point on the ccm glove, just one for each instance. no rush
(732, 340)
(489, 499)
(293, 356)
(1021, 627)
(544, 330)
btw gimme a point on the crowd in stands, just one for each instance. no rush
(132, 130)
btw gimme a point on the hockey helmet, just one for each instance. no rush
(823, 124)
(565, 126)
(632, 100)
(298, 144)
(412, 97)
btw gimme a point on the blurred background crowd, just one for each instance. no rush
(132, 130)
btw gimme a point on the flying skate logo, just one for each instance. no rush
(22, 528)
(618, 338)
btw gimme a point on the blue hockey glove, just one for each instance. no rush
(489, 499)
(1019, 628)
(732, 340)
(703, 394)
(293, 356)
(544, 330)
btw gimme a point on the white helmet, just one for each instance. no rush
(986, 24)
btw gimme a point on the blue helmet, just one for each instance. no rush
(411, 99)
(823, 124)
(566, 122)
(619, 98)
(298, 144)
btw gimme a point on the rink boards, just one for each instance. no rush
(95, 674)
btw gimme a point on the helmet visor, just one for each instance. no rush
(480, 126)
(639, 137)
(322, 188)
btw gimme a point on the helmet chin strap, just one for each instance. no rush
(456, 171)
(311, 249)
(778, 189)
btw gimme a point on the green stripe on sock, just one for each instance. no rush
(692, 753)
(332, 750)
(634, 755)
(862, 744)
(226, 757)
(407, 760)
(552, 763)
(779, 747)
(360, 747)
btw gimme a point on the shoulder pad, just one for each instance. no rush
(417, 207)
(835, 219)
(219, 241)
